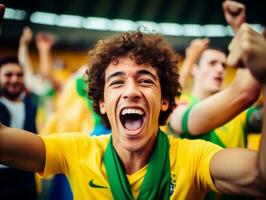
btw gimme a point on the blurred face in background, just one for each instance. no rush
(210, 71)
(11, 81)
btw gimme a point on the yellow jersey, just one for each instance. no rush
(80, 158)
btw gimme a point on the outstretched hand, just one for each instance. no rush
(234, 13)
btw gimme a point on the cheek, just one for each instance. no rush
(110, 99)
(205, 73)
(206, 76)
(5, 82)
(155, 101)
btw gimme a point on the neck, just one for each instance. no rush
(134, 160)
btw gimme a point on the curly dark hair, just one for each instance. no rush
(143, 48)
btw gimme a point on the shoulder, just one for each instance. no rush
(192, 148)
(31, 100)
(77, 140)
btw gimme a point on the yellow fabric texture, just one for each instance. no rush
(72, 114)
(233, 133)
(80, 158)
(254, 141)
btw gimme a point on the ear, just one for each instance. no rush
(164, 104)
(102, 107)
(193, 70)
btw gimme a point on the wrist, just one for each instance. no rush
(44, 50)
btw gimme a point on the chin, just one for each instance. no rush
(133, 144)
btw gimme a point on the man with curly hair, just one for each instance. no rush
(133, 82)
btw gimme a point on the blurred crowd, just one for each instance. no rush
(47, 97)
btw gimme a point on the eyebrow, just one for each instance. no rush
(140, 72)
(115, 74)
(146, 72)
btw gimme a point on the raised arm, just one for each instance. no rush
(193, 52)
(225, 105)
(234, 13)
(21, 149)
(242, 171)
(219, 108)
(44, 43)
(23, 51)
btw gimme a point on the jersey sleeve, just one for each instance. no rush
(204, 155)
(61, 149)
(195, 156)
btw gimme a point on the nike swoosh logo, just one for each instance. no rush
(91, 184)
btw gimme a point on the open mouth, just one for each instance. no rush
(218, 79)
(132, 118)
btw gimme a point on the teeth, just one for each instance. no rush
(132, 111)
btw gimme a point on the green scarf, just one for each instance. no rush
(156, 183)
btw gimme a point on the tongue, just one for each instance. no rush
(133, 124)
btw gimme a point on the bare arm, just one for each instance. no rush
(193, 53)
(242, 171)
(235, 172)
(44, 43)
(21, 149)
(234, 99)
(23, 51)
(218, 108)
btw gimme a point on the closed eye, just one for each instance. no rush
(146, 81)
(116, 83)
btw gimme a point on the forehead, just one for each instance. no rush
(213, 54)
(10, 67)
(128, 66)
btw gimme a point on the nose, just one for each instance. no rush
(15, 78)
(131, 90)
(220, 67)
